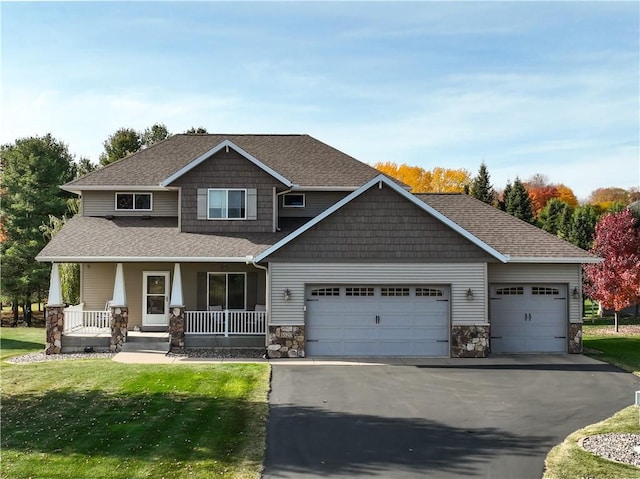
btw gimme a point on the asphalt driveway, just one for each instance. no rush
(445, 418)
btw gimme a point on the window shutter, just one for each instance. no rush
(202, 204)
(252, 204)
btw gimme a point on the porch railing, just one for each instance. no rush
(225, 322)
(78, 320)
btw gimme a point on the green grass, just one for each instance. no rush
(15, 341)
(100, 419)
(623, 350)
(569, 461)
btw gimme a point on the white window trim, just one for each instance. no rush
(134, 193)
(285, 205)
(226, 287)
(246, 206)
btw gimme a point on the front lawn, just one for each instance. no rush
(15, 341)
(568, 460)
(100, 419)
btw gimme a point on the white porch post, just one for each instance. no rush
(54, 314)
(55, 288)
(176, 310)
(176, 288)
(119, 312)
(119, 293)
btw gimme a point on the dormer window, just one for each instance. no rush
(133, 202)
(293, 200)
(227, 204)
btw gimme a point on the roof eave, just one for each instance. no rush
(141, 259)
(556, 259)
(78, 189)
(225, 144)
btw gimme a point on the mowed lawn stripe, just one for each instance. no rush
(97, 418)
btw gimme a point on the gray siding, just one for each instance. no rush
(102, 203)
(227, 170)
(96, 285)
(315, 203)
(523, 273)
(381, 225)
(461, 276)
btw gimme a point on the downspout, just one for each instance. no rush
(249, 259)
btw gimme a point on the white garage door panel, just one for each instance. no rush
(384, 321)
(528, 318)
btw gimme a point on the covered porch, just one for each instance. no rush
(199, 304)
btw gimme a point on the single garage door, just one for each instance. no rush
(357, 320)
(528, 318)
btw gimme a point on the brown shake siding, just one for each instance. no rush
(227, 170)
(380, 225)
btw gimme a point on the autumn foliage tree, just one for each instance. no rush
(615, 282)
(438, 180)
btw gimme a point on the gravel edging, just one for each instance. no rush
(616, 447)
(41, 357)
(217, 353)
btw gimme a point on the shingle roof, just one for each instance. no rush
(507, 234)
(301, 159)
(86, 238)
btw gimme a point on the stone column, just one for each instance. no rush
(575, 338)
(286, 342)
(54, 324)
(176, 326)
(469, 341)
(119, 320)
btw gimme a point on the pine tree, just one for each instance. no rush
(481, 187)
(518, 202)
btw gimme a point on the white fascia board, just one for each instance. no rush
(398, 189)
(556, 259)
(324, 188)
(141, 259)
(79, 189)
(216, 149)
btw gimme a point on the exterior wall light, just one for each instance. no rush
(469, 293)
(287, 294)
(575, 294)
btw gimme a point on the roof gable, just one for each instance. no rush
(300, 159)
(226, 144)
(381, 181)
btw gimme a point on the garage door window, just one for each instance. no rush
(513, 291)
(395, 291)
(325, 292)
(359, 292)
(544, 291)
(428, 292)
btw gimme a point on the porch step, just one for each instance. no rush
(146, 347)
(147, 342)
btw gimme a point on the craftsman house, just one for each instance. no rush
(283, 242)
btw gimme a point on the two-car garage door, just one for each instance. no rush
(386, 320)
(528, 318)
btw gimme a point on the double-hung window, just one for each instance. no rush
(224, 204)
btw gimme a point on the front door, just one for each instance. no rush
(155, 298)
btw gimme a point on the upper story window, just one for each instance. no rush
(293, 200)
(133, 202)
(224, 204)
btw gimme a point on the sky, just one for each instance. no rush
(529, 88)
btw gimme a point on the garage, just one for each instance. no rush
(528, 318)
(381, 320)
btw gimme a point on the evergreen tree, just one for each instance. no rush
(552, 216)
(502, 204)
(518, 202)
(122, 143)
(33, 169)
(481, 187)
(583, 226)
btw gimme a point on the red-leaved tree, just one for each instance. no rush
(615, 282)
